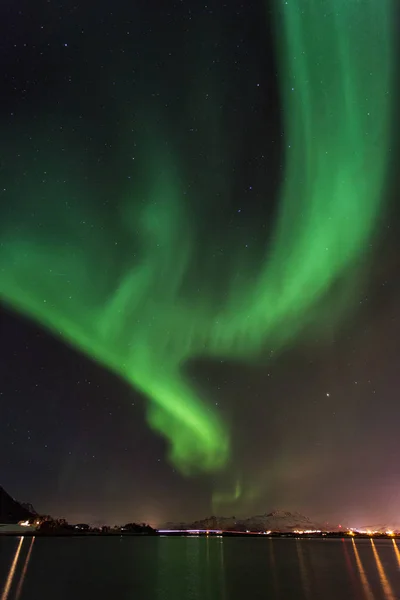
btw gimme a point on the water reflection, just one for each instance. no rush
(11, 573)
(364, 581)
(304, 576)
(350, 568)
(222, 569)
(396, 551)
(273, 567)
(386, 587)
(24, 570)
(198, 569)
(191, 568)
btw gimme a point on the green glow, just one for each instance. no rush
(118, 290)
(221, 500)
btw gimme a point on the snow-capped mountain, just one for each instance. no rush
(277, 520)
(280, 520)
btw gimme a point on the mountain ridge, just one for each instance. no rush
(12, 511)
(276, 520)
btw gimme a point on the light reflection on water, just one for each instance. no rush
(386, 587)
(366, 588)
(198, 569)
(11, 573)
(24, 570)
(305, 579)
(396, 552)
(273, 569)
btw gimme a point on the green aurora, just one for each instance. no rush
(125, 303)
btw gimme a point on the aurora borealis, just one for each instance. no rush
(132, 281)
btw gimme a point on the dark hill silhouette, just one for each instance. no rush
(12, 511)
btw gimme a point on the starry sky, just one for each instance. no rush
(312, 423)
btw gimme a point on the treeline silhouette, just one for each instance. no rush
(50, 525)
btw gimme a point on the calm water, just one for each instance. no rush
(197, 568)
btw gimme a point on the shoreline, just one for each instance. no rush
(237, 534)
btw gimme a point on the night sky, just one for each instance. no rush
(90, 92)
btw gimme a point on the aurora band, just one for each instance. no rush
(115, 291)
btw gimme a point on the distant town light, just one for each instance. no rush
(302, 531)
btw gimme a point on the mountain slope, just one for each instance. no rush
(12, 511)
(278, 520)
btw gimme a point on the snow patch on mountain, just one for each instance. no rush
(277, 520)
